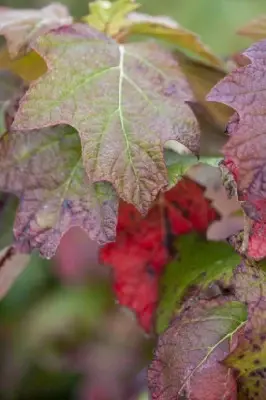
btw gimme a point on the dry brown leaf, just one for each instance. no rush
(255, 29)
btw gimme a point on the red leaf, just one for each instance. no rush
(257, 243)
(144, 245)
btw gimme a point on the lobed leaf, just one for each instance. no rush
(187, 359)
(109, 17)
(248, 358)
(44, 169)
(21, 27)
(167, 29)
(125, 102)
(244, 90)
(200, 262)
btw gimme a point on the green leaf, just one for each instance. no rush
(200, 263)
(187, 361)
(249, 356)
(109, 17)
(21, 27)
(165, 28)
(125, 102)
(45, 170)
(177, 165)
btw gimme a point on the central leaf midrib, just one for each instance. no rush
(120, 91)
(212, 349)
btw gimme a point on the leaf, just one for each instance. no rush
(109, 17)
(212, 138)
(244, 90)
(248, 357)
(249, 283)
(12, 263)
(202, 78)
(187, 359)
(200, 262)
(44, 169)
(144, 246)
(29, 67)
(165, 28)
(255, 29)
(212, 117)
(125, 102)
(254, 232)
(177, 165)
(21, 27)
(9, 84)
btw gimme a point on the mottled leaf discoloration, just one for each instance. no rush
(125, 102)
(45, 170)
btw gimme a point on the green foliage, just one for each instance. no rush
(109, 17)
(210, 262)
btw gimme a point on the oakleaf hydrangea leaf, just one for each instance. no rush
(212, 117)
(167, 29)
(202, 78)
(45, 170)
(21, 27)
(187, 359)
(249, 356)
(244, 90)
(125, 102)
(212, 138)
(255, 29)
(109, 17)
(249, 283)
(208, 262)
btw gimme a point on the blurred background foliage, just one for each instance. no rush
(214, 20)
(61, 333)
